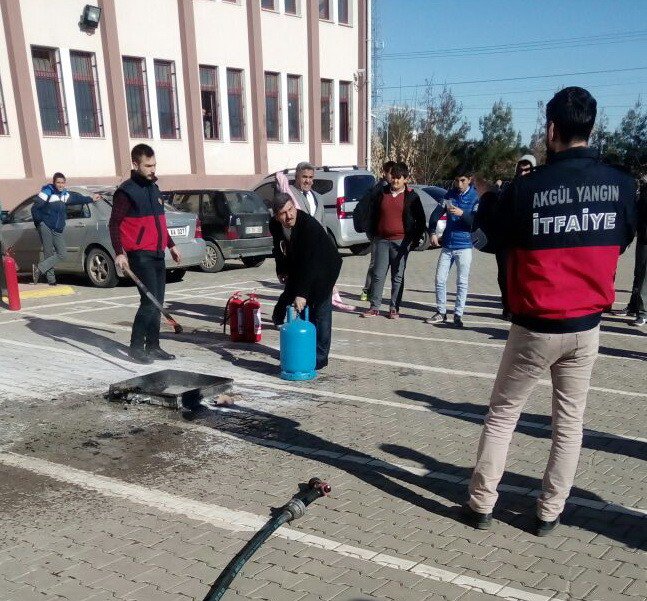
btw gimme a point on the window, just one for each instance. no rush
(326, 110)
(344, 111)
(210, 102)
(86, 94)
(235, 104)
(291, 7)
(167, 109)
(294, 108)
(324, 10)
(343, 14)
(4, 130)
(273, 106)
(268, 4)
(49, 89)
(137, 97)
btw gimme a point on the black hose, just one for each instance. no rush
(292, 511)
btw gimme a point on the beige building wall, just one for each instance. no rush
(11, 159)
(221, 40)
(153, 29)
(285, 40)
(149, 29)
(340, 62)
(71, 154)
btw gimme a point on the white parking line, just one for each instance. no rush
(243, 521)
(422, 408)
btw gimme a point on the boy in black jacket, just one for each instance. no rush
(308, 264)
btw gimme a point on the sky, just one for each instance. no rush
(456, 41)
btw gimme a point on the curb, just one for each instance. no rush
(58, 290)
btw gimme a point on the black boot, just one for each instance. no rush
(158, 353)
(139, 355)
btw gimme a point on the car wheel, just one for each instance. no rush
(175, 275)
(100, 268)
(360, 249)
(253, 261)
(332, 238)
(214, 260)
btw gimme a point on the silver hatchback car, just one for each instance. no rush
(89, 250)
(341, 188)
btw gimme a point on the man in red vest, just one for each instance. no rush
(140, 237)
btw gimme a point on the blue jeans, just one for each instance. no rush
(463, 260)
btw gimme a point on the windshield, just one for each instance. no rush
(355, 186)
(245, 203)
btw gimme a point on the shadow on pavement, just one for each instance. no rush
(514, 508)
(475, 413)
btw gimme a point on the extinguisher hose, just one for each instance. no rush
(294, 509)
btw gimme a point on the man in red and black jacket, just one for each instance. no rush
(140, 237)
(563, 228)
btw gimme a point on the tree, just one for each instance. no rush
(630, 140)
(537, 146)
(397, 135)
(442, 134)
(497, 152)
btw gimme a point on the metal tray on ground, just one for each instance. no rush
(170, 388)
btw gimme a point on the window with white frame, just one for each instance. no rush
(273, 106)
(294, 108)
(86, 94)
(343, 12)
(4, 129)
(236, 104)
(49, 89)
(268, 4)
(210, 98)
(291, 7)
(327, 100)
(167, 107)
(345, 110)
(135, 80)
(324, 10)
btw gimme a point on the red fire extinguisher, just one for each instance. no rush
(11, 277)
(252, 319)
(234, 315)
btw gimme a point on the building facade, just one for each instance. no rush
(225, 91)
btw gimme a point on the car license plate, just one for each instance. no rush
(178, 231)
(256, 229)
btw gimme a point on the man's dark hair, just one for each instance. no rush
(399, 170)
(466, 169)
(573, 112)
(58, 175)
(139, 151)
(387, 166)
(279, 201)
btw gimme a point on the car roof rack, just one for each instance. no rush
(334, 167)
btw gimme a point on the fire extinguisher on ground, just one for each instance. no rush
(252, 330)
(11, 278)
(234, 315)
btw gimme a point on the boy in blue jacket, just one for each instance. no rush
(461, 204)
(49, 213)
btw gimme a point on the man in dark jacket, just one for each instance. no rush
(49, 213)
(140, 238)
(637, 306)
(564, 226)
(308, 263)
(396, 223)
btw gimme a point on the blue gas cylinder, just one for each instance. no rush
(298, 347)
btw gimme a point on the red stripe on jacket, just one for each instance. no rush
(141, 233)
(562, 283)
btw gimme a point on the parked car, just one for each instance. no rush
(235, 225)
(430, 197)
(89, 250)
(341, 188)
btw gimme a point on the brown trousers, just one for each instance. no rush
(527, 355)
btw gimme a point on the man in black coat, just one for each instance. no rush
(308, 264)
